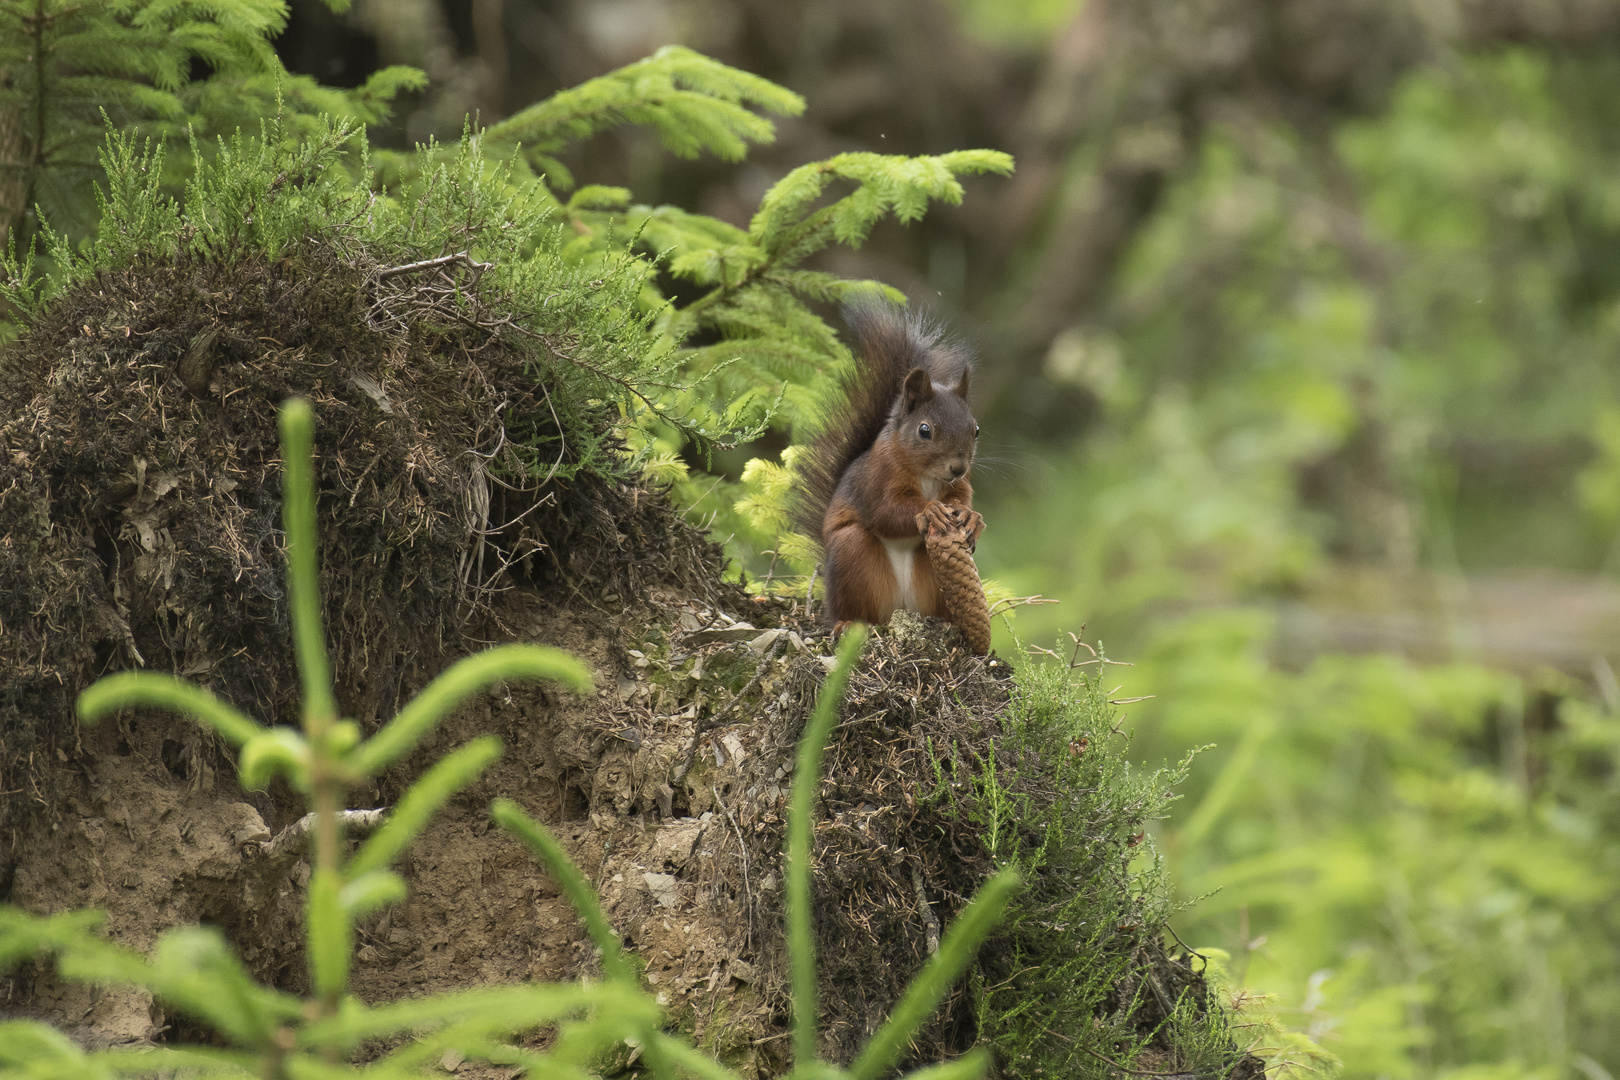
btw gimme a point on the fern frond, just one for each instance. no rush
(385, 84)
(885, 184)
(598, 197)
(770, 486)
(693, 102)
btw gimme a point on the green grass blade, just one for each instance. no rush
(421, 801)
(281, 750)
(806, 776)
(303, 570)
(511, 817)
(129, 689)
(970, 1066)
(39, 1048)
(24, 935)
(926, 991)
(514, 1008)
(370, 891)
(330, 937)
(465, 677)
(195, 972)
(678, 1052)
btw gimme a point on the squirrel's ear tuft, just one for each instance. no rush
(961, 388)
(918, 389)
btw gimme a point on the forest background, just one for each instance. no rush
(1298, 322)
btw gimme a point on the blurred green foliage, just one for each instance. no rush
(1016, 22)
(1406, 304)
(1066, 993)
(1383, 350)
(1419, 862)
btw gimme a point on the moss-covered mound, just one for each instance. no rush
(140, 494)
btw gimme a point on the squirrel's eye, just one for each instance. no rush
(975, 431)
(926, 432)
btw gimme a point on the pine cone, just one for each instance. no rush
(951, 553)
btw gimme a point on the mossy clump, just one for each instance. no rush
(945, 767)
(140, 476)
(1081, 981)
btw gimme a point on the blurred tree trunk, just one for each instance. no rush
(489, 31)
(1126, 95)
(15, 170)
(19, 153)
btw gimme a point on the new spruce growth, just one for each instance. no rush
(692, 102)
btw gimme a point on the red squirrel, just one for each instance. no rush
(898, 443)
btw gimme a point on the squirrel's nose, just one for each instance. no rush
(957, 470)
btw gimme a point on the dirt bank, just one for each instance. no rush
(139, 511)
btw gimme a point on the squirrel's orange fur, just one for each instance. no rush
(899, 443)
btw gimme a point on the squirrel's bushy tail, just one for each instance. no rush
(889, 342)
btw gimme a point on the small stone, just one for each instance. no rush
(762, 644)
(673, 843)
(452, 1060)
(251, 829)
(664, 888)
(738, 632)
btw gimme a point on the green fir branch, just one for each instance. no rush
(692, 102)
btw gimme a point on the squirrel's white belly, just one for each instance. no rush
(902, 559)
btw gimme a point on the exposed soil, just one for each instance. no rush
(689, 873)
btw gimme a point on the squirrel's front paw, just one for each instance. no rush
(965, 518)
(937, 517)
(961, 517)
(974, 525)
